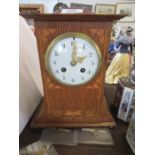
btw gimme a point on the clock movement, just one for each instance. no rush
(73, 53)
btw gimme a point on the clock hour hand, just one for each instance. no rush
(80, 59)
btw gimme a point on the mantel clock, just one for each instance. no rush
(73, 52)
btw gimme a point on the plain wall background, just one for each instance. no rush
(49, 4)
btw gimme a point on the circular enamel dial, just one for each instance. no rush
(73, 59)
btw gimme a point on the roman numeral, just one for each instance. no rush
(54, 62)
(63, 46)
(63, 77)
(84, 47)
(57, 71)
(73, 80)
(56, 53)
(93, 63)
(89, 72)
(90, 54)
(82, 78)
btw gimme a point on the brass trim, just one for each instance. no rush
(76, 35)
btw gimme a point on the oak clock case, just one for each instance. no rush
(75, 46)
(73, 59)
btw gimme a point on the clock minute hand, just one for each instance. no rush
(74, 56)
(74, 53)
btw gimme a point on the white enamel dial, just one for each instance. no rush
(73, 59)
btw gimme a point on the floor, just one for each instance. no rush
(121, 146)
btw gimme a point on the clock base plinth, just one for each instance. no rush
(41, 119)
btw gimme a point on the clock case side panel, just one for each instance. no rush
(42, 113)
(63, 109)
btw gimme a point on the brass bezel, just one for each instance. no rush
(76, 35)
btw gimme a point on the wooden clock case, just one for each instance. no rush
(73, 106)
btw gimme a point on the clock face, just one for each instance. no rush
(73, 59)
